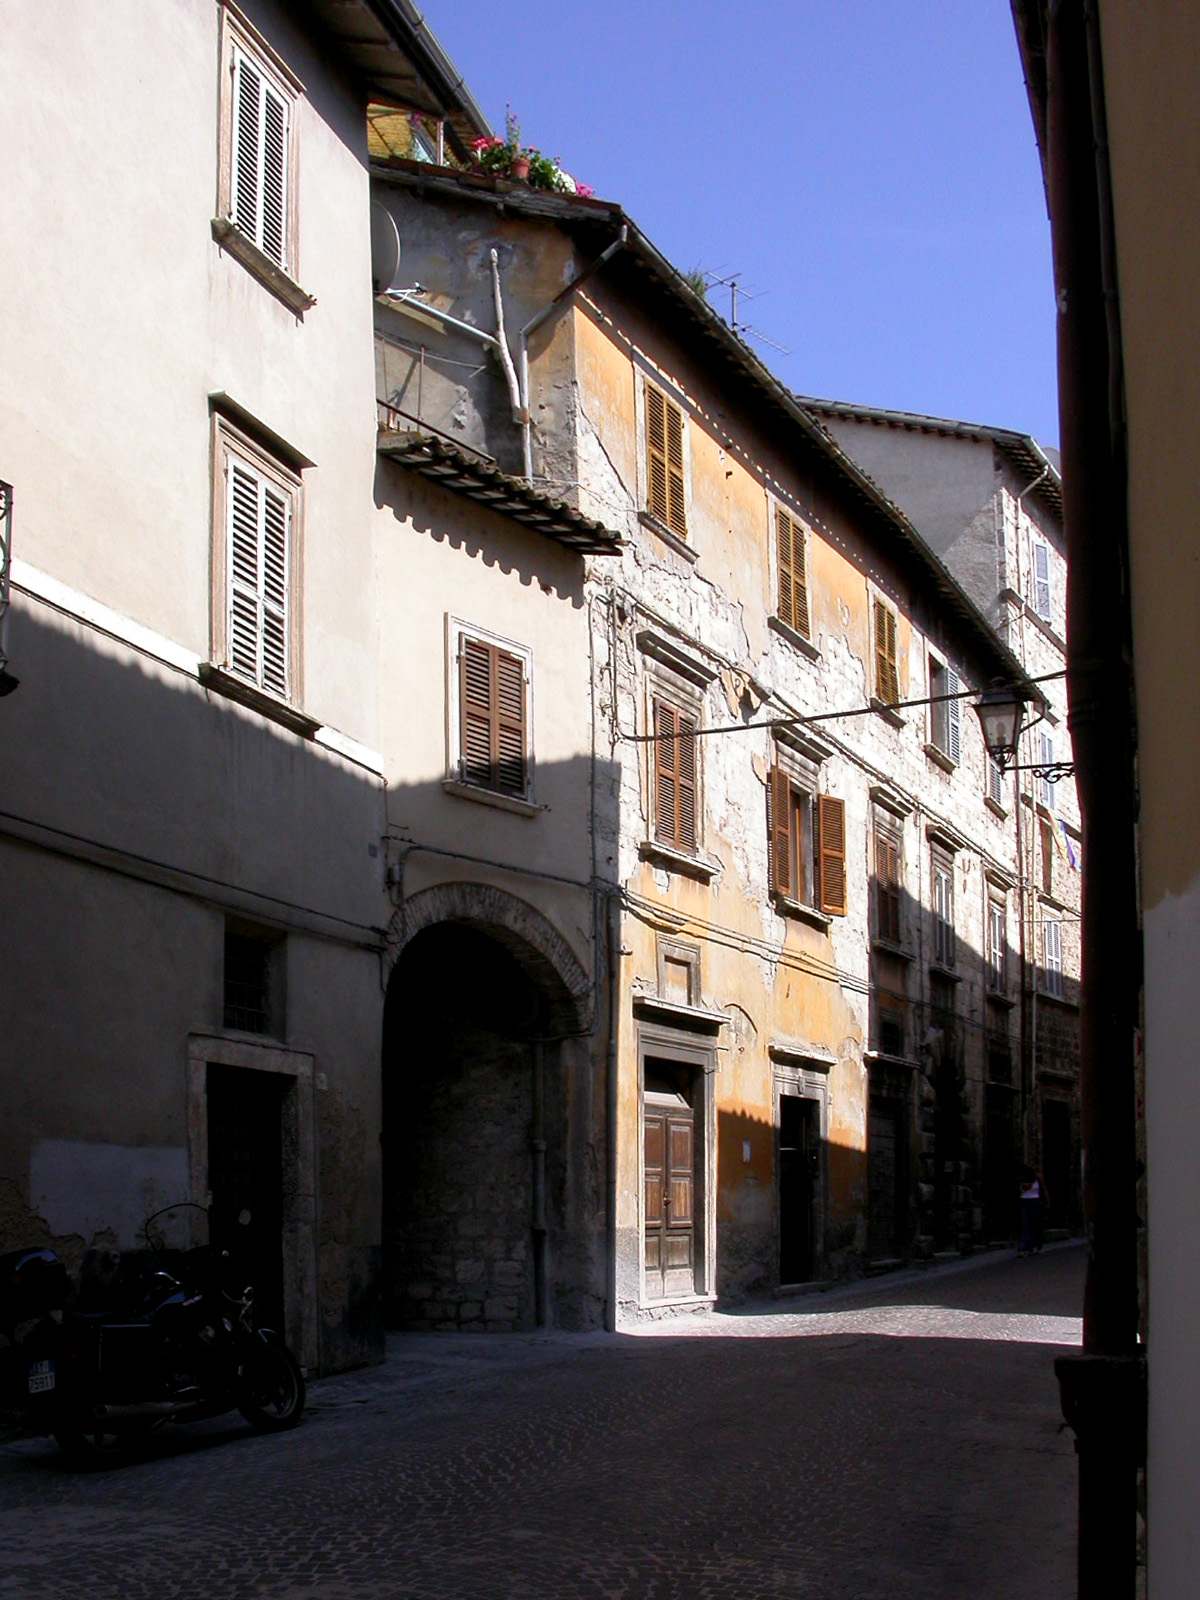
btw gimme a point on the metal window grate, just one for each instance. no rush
(246, 992)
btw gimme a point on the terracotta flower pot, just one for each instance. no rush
(519, 168)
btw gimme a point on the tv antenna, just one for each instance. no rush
(731, 282)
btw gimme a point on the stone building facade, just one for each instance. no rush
(989, 502)
(810, 891)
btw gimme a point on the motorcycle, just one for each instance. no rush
(173, 1342)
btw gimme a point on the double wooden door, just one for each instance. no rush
(669, 1219)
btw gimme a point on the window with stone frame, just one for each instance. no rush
(995, 780)
(1053, 955)
(491, 725)
(997, 941)
(257, 168)
(944, 729)
(942, 869)
(889, 887)
(807, 840)
(674, 776)
(1042, 596)
(256, 565)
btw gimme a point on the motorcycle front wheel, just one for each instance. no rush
(272, 1389)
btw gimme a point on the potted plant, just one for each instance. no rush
(509, 158)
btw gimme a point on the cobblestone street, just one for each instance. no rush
(900, 1438)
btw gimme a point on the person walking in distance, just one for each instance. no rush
(1033, 1204)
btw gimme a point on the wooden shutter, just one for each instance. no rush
(260, 165)
(793, 584)
(492, 718)
(674, 777)
(953, 731)
(259, 530)
(664, 461)
(887, 879)
(781, 832)
(886, 679)
(676, 511)
(831, 815)
(1041, 580)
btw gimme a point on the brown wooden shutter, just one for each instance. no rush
(656, 453)
(831, 815)
(674, 777)
(886, 678)
(887, 877)
(510, 724)
(493, 732)
(676, 510)
(781, 836)
(686, 747)
(793, 584)
(664, 461)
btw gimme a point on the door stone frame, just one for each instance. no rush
(807, 1078)
(686, 1050)
(301, 1286)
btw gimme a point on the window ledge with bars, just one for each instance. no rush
(664, 855)
(887, 712)
(221, 681)
(492, 797)
(657, 526)
(785, 631)
(939, 757)
(284, 287)
(787, 906)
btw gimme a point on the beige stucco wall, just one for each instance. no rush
(1151, 65)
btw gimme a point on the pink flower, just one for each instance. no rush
(585, 189)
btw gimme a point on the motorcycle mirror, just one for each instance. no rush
(244, 1216)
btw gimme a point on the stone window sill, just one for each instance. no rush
(802, 912)
(997, 997)
(897, 951)
(226, 683)
(785, 631)
(940, 758)
(665, 855)
(269, 273)
(489, 797)
(995, 807)
(887, 712)
(657, 526)
(948, 973)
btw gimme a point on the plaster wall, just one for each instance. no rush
(1151, 61)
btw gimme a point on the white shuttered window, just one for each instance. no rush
(259, 534)
(259, 196)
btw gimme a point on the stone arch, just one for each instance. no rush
(529, 936)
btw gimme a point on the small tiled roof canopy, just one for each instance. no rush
(478, 479)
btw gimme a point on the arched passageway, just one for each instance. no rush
(481, 1115)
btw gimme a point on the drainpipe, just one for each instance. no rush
(1102, 1389)
(611, 1102)
(533, 325)
(538, 1143)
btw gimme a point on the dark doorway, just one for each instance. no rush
(1056, 1162)
(886, 1180)
(669, 1143)
(799, 1173)
(245, 1173)
(457, 1128)
(999, 1164)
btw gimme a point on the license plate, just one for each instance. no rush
(41, 1377)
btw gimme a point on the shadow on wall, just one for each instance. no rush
(141, 820)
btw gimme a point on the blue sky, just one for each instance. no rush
(868, 167)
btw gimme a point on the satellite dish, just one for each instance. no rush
(385, 248)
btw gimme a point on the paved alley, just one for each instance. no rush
(897, 1439)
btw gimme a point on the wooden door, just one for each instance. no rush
(885, 1207)
(670, 1223)
(245, 1173)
